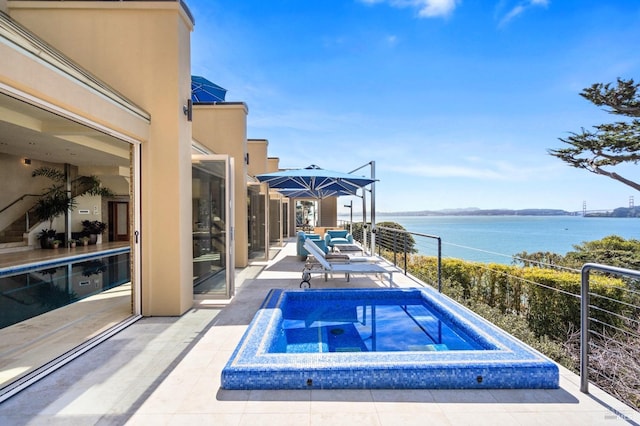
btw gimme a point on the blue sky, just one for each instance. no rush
(457, 101)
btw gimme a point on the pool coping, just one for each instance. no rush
(511, 365)
(61, 260)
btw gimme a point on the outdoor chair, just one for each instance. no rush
(325, 267)
(337, 236)
(302, 236)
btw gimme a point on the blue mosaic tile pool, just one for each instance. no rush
(497, 360)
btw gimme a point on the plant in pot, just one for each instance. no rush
(51, 204)
(57, 200)
(93, 228)
(84, 241)
(46, 238)
(47, 208)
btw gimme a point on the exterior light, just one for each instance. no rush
(188, 109)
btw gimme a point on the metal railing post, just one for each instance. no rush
(439, 264)
(405, 253)
(395, 248)
(584, 329)
(584, 314)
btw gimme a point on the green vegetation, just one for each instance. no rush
(612, 250)
(390, 240)
(538, 301)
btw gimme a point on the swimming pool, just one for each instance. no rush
(31, 289)
(344, 339)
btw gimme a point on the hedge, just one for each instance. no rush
(548, 299)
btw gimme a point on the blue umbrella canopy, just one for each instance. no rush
(306, 193)
(204, 91)
(315, 182)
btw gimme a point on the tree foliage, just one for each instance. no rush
(394, 241)
(608, 145)
(612, 250)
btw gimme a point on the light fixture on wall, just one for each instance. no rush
(246, 158)
(188, 109)
(27, 161)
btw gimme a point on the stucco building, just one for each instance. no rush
(103, 89)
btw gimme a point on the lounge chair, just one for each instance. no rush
(345, 257)
(326, 267)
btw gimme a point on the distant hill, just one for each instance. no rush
(619, 212)
(481, 212)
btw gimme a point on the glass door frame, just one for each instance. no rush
(229, 214)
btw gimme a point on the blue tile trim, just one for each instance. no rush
(504, 363)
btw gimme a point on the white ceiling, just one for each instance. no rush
(30, 132)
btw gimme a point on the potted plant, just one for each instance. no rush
(46, 238)
(57, 200)
(51, 204)
(84, 241)
(72, 243)
(93, 228)
(56, 244)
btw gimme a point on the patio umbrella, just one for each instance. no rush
(316, 181)
(204, 91)
(306, 193)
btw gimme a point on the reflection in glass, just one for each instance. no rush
(209, 228)
(48, 306)
(257, 218)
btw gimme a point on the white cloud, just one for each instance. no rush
(425, 8)
(391, 40)
(520, 8)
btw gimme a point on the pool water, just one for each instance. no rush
(379, 339)
(366, 324)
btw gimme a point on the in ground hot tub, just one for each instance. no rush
(379, 338)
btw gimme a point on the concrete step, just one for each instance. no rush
(12, 247)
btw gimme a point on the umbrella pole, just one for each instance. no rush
(373, 207)
(364, 218)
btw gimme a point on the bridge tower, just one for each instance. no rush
(584, 208)
(631, 202)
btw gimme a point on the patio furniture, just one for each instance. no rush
(302, 236)
(337, 236)
(345, 256)
(324, 267)
(348, 248)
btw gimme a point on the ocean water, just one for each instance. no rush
(497, 238)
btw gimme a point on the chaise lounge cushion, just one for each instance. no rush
(337, 236)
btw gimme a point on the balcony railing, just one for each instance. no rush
(607, 318)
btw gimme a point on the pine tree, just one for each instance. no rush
(609, 145)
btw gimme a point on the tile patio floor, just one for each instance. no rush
(166, 371)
